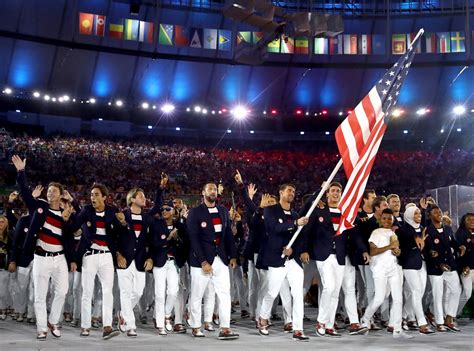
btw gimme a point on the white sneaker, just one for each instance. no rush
(401, 335)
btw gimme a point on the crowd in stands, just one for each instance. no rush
(78, 162)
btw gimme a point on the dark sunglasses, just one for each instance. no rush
(167, 209)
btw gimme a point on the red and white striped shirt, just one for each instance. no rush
(50, 235)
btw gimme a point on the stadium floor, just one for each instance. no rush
(21, 336)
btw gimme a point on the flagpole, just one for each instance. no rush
(325, 187)
(419, 34)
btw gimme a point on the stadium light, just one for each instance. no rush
(302, 133)
(197, 108)
(341, 113)
(150, 127)
(240, 112)
(119, 103)
(229, 131)
(405, 131)
(8, 91)
(458, 130)
(66, 98)
(178, 129)
(459, 110)
(47, 97)
(397, 113)
(145, 105)
(167, 108)
(36, 94)
(327, 133)
(204, 111)
(92, 100)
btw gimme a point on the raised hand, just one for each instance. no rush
(252, 190)
(220, 189)
(67, 196)
(19, 163)
(121, 218)
(37, 191)
(164, 180)
(238, 177)
(13, 196)
(423, 203)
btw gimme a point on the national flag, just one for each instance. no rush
(444, 42)
(116, 30)
(86, 23)
(321, 46)
(399, 44)
(244, 37)
(181, 36)
(224, 42)
(430, 40)
(274, 46)
(359, 136)
(301, 45)
(196, 39)
(350, 44)
(365, 44)
(131, 29)
(378, 44)
(257, 36)
(336, 45)
(458, 42)
(210, 39)
(99, 25)
(287, 45)
(165, 35)
(146, 32)
(410, 38)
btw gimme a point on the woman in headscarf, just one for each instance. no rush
(411, 238)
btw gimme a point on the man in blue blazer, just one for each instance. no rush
(281, 222)
(212, 251)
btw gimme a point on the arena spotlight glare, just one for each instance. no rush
(92, 100)
(36, 94)
(422, 111)
(197, 108)
(240, 112)
(145, 105)
(47, 97)
(229, 131)
(459, 110)
(397, 113)
(8, 91)
(66, 98)
(119, 103)
(167, 108)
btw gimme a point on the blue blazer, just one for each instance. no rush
(86, 220)
(410, 255)
(20, 254)
(464, 237)
(160, 247)
(446, 247)
(279, 232)
(201, 237)
(321, 237)
(38, 210)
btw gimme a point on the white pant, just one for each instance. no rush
(238, 286)
(44, 269)
(349, 289)
(467, 283)
(4, 293)
(131, 283)
(385, 285)
(294, 275)
(453, 291)
(100, 265)
(183, 293)
(148, 295)
(332, 274)
(166, 291)
(26, 295)
(369, 290)
(68, 303)
(76, 295)
(253, 288)
(199, 282)
(416, 281)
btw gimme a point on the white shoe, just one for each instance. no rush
(168, 325)
(401, 335)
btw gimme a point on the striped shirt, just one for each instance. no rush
(336, 221)
(50, 235)
(217, 223)
(137, 224)
(99, 241)
(170, 249)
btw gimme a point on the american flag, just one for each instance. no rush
(360, 134)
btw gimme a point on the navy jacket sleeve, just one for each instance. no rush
(251, 207)
(193, 235)
(230, 246)
(25, 192)
(275, 226)
(158, 202)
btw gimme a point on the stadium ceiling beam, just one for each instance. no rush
(219, 60)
